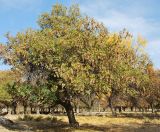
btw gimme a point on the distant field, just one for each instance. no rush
(46, 123)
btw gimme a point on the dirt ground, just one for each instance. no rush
(46, 123)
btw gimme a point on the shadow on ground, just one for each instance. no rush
(60, 126)
(122, 128)
(42, 125)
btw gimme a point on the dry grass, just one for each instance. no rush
(46, 123)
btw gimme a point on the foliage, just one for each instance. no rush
(5, 78)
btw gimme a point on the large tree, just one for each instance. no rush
(74, 55)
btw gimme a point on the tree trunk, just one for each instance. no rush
(152, 108)
(70, 113)
(131, 108)
(14, 107)
(110, 105)
(63, 97)
(120, 109)
(99, 107)
(31, 110)
(25, 109)
(124, 109)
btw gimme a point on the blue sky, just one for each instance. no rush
(138, 16)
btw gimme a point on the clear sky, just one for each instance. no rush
(138, 16)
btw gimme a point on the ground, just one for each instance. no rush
(48, 123)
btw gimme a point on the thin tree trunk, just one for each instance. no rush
(131, 108)
(110, 105)
(14, 107)
(25, 109)
(152, 108)
(120, 109)
(31, 110)
(99, 107)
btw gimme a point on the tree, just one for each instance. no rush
(71, 56)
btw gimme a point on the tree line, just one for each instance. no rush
(73, 59)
